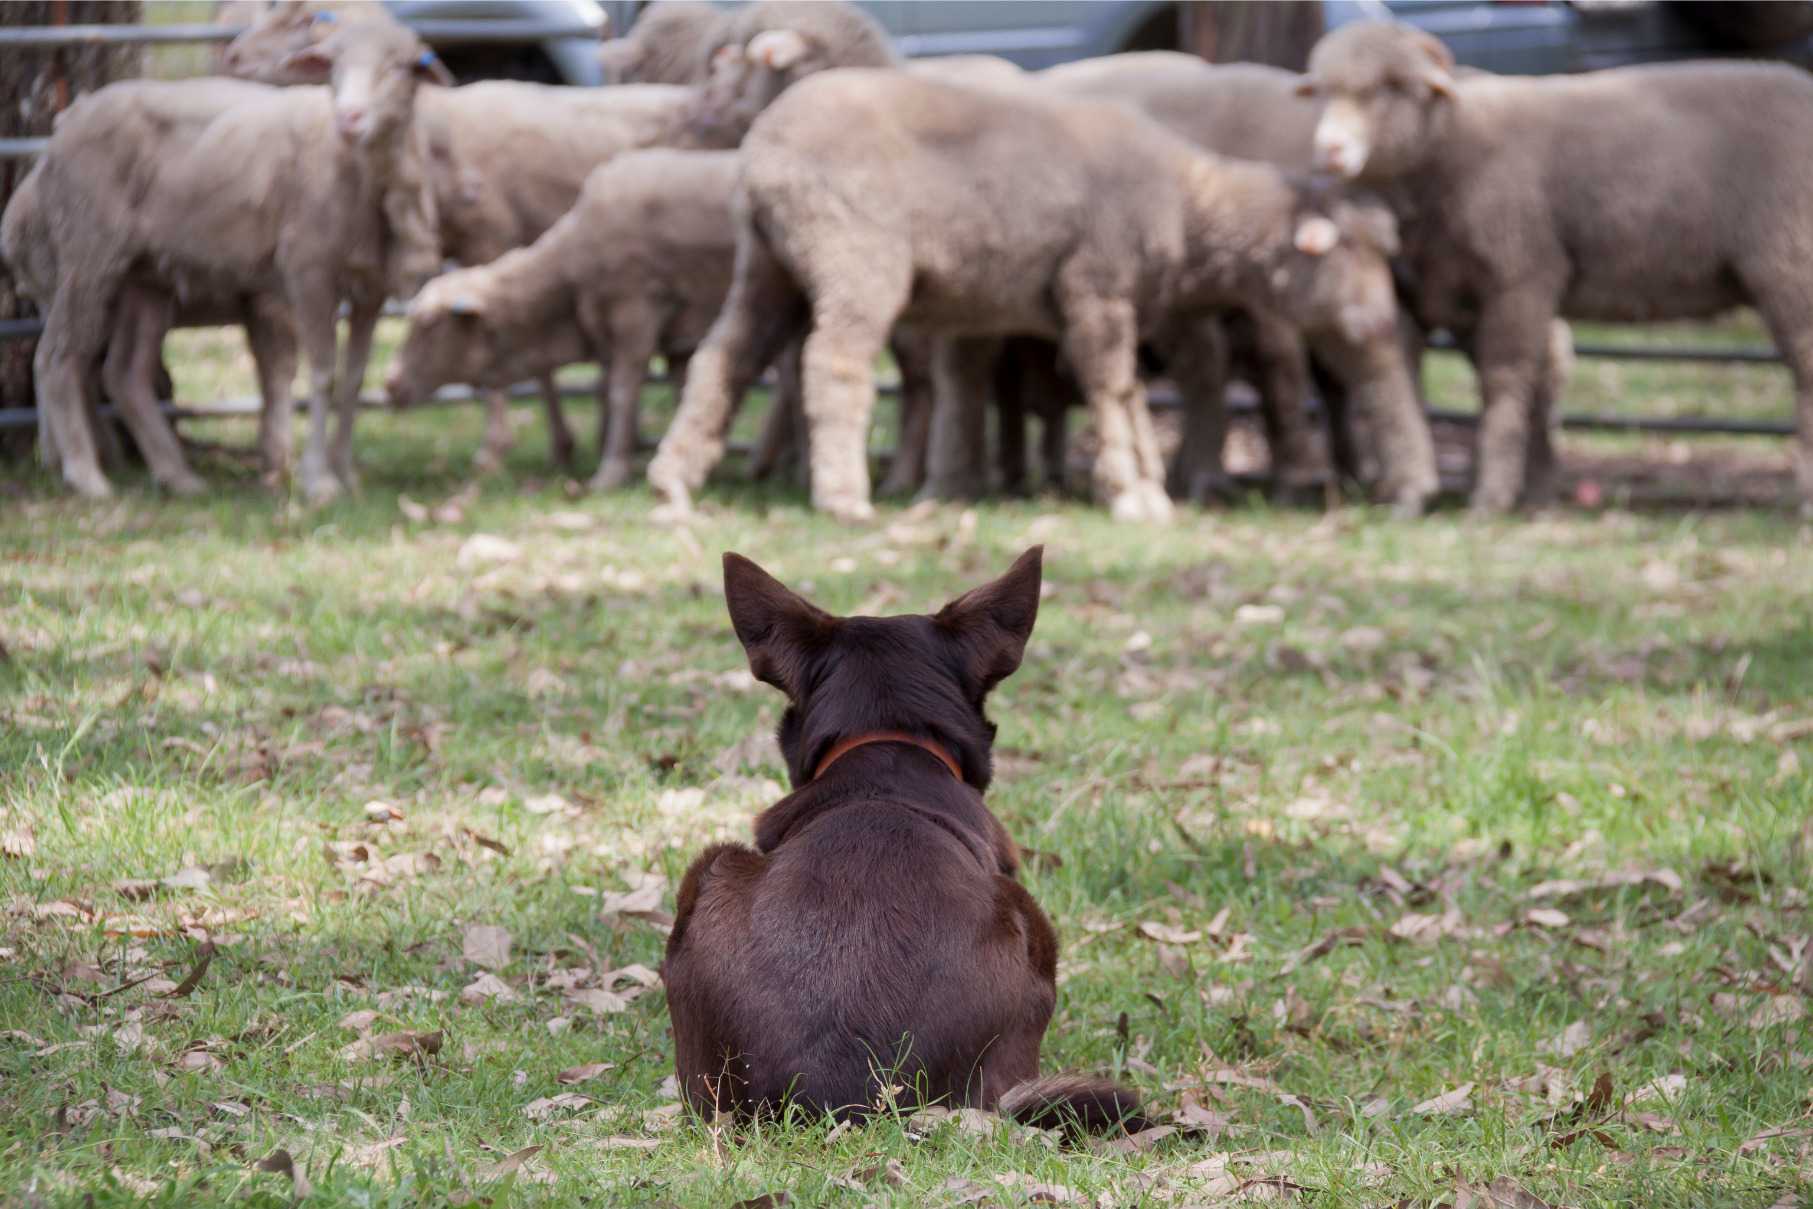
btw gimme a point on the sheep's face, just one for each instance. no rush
(1380, 86)
(1337, 272)
(373, 68)
(744, 81)
(291, 25)
(451, 338)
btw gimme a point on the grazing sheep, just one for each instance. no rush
(508, 160)
(765, 47)
(1671, 191)
(671, 43)
(223, 189)
(1254, 112)
(973, 213)
(640, 265)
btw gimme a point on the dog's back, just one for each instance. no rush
(881, 937)
(875, 938)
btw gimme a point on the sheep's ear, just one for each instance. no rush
(1439, 76)
(309, 63)
(1432, 46)
(1316, 236)
(776, 627)
(466, 305)
(430, 70)
(725, 55)
(778, 49)
(321, 26)
(991, 624)
(1306, 87)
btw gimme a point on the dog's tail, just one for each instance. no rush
(1075, 1104)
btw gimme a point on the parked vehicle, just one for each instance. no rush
(1522, 37)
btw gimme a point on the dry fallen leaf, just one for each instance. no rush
(393, 1045)
(487, 945)
(487, 988)
(359, 1021)
(1449, 1103)
(1176, 963)
(1170, 934)
(599, 1000)
(279, 1162)
(548, 1106)
(507, 1165)
(1572, 1039)
(579, 1074)
(1546, 917)
(1504, 1193)
(777, 1199)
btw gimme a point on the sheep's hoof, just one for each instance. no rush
(186, 483)
(560, 453)
(320, 487)
(851, 510)
(488, 461)
(272, 480)
(1144, 501)
(610, 476)
(88, 482)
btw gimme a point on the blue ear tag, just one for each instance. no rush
(425, 59)
(327, 18)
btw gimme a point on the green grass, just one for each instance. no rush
(1311, 722)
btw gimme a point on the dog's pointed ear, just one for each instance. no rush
(773, 624)
(992, 623)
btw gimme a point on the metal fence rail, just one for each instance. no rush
(452, 31)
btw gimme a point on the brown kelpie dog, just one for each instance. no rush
(875, 937)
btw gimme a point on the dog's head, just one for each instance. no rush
(927, 676)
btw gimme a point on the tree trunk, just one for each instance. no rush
(1277, 32)
(36, 85)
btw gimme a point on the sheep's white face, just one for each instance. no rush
(1380, 86)
(449, 340)
(1338, 273)
(373, 68)
(1344, 136)
(744, 81)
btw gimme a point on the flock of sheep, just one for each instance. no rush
(735, 206)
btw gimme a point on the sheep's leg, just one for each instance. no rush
(1197, 360)
(1010, 417)
(1380, 390)
(850, 325)
(1785, 305)
(360, 326)
(913, 354)
(140, 323)
(1284, 384)
(957, 457)
(634, 334)
(561, 444)
(107, 445)
(1054, 442)
(764, 310)
(1101, 342)
(784, 433)
(1511, 345)
(316, 327)
(75, 329)
(272, 336)
(1544, 471)
(494, 447)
